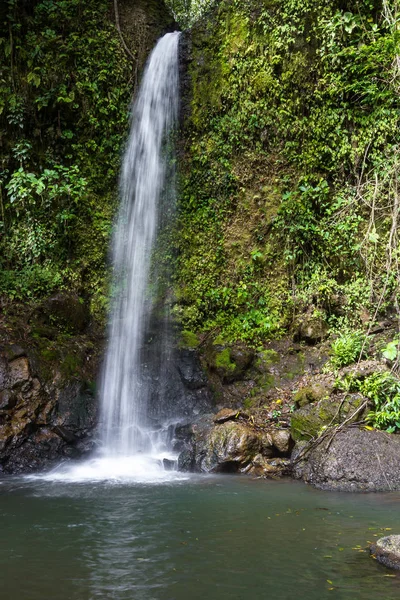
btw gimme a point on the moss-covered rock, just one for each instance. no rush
(311, 420)
(229, 363)
(310, 393)
(215, 446)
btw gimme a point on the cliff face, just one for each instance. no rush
(289, 159)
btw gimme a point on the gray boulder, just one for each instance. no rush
(217, 445)
(355, 461)
(387, 551)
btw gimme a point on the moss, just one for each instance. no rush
(310, 421)
(266, 358)
(70, 366)
(223, 361)
(308, 394)
(50, 354)
(270, 219)
(189, 340)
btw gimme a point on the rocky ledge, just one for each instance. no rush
(387, 551)
(231, 442)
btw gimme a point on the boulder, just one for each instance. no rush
(268, 467)
(387, 551)
(281, 439)
(310, 420)
(354, 460)
(228, 447)
(233, 446)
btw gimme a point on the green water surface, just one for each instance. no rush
(219, 538)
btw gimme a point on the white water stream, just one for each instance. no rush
(129, 449)
(124, 395)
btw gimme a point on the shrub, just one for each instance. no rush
(347, 348)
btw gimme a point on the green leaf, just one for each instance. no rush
(390, 352)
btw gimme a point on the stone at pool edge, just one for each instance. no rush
(387, 551)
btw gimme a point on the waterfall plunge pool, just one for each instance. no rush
(215, 537)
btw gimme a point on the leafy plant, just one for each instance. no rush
(347, 348)
(384, 390)
(390, 352)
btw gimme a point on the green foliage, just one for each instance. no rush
(223, 361)
(64, 92)
(186, 12)
(391, 350)
(384, 391)
(288, 184)
(189, 339)
(348, 348)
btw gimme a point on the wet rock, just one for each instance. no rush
(65, 310)
(186, 461)
(18, 371)
(40, 421)
(231, 446)
(174, 376)
(353, 460)
(282, 440)
(76, 408)
(268, 467)
(169, 465)
(66, 435)
(387, 551)
(190, 371)
(229, 414)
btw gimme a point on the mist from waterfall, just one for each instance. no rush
(124, 393)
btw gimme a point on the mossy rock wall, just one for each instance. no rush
(285, 112)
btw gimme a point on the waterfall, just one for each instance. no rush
(124, 395)
(131, 449)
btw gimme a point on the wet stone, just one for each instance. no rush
(387, 551)
(229, 414)
(19, 370)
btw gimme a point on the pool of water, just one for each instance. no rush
(220, 538)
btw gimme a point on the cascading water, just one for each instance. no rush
(128, 447)
(124, 395)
